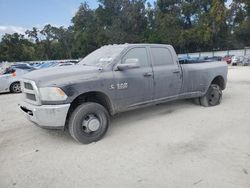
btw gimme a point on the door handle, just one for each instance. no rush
(148, 74)
(176, 71)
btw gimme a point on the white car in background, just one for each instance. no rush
(237, 60)
(10, 80)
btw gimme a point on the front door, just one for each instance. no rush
(134, 86)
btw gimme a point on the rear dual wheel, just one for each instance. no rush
(213, 96)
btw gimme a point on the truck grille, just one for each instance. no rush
(30, 92)
(31, 96)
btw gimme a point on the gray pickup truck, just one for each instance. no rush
(114, 79)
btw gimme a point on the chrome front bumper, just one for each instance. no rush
(46, 116)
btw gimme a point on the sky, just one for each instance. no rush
(20, 15)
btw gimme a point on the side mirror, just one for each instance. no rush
(129, 64)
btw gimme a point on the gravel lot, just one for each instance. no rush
(177, 144)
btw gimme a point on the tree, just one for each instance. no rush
(85, 30)
(188, 25)
(14, 47)
(242, 21)
(33, 34)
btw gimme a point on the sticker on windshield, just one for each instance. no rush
(105, 59)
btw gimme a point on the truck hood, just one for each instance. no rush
(58, 76)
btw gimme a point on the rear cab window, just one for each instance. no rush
(161, 56)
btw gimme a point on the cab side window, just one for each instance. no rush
(138, 55)
(161, 56)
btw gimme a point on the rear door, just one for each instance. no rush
(134, 86)
(167, 73)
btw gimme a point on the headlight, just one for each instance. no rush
(52, 94)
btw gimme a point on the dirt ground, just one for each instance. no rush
(177, 144)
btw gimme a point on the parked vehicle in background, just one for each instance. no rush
(246, 61)
(10, 80)
(3, 66)
(36, 64)
(214, 58)
(47, 65)
(192, 60)
(237, 60)
(65, 64)
(55, 64)
(228, 59)
(24, 66)
(188, 60)
(114, 79)
(72, 61)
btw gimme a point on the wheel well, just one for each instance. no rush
(97, 97)
(219, 80)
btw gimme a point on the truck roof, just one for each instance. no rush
(136, 45)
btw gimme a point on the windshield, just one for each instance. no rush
(102, 56)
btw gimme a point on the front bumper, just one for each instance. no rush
(46, 116)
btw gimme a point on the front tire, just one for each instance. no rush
(213, 96)
(88, 123)
(15, 87)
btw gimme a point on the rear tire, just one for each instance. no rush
(213, 96)
(15, 87)
(88, 123)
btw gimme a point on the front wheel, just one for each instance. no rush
(213, 96)
(15, 87)
(89, 122)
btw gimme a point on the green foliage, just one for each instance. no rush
(16, 48)
(242, 29)
(188, 25)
